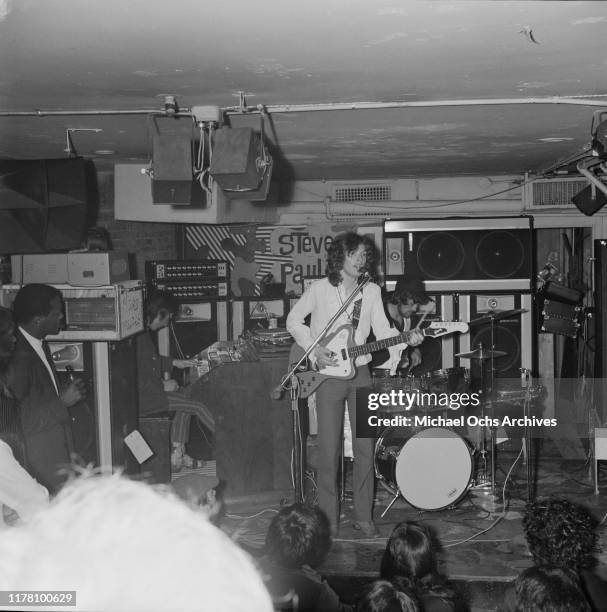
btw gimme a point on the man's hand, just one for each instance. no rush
(324, 357)
(73, 393)
(170, 384)
(415, 337)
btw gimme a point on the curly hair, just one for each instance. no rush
(344, 244)
(549, 588)
(298, 535)
(560, 533)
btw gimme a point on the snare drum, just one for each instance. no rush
(431, 468)
(449, 380)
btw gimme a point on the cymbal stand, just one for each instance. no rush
(526, 377)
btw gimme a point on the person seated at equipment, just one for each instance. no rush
(382, 596)
(297, 541)
(404, 307)
(547, 587)
(115, 544)
(409, 562)
(562, 534)
(158, 392)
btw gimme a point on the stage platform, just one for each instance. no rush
(483, 546)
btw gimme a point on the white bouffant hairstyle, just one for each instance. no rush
(124, 545)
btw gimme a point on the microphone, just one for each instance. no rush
(277, 392)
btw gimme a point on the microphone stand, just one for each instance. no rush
(291, 381)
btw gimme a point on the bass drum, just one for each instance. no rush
(431, 468)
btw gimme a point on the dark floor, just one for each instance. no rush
(482, 540)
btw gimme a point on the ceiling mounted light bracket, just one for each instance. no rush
(70, 149)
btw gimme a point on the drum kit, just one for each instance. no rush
(433, 468)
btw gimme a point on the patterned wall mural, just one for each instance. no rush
(289, 253)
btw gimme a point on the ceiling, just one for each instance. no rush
(66, 57)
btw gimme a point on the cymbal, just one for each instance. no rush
(481, 353)
(496, 316)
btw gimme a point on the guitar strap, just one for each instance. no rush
(356, 313)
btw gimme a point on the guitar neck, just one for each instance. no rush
(371, 347)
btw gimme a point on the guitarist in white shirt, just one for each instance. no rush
(348, 257)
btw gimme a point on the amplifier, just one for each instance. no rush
(195, 289)
(97, 269)
(100, 314)
(186, 270)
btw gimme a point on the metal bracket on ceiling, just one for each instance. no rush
(69, 145)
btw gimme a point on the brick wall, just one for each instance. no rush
(144, 240)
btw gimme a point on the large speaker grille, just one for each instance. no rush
(440, 255)
(500, 254)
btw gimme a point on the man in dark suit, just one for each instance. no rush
(43, 401)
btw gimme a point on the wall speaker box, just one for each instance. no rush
(461, 253)
(43, 205)
(234, 161)
(235, 167)
(133, 202)
(172, 161)
(589, 200)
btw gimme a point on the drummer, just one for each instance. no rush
(404, 307)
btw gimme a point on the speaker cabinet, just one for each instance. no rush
(43, 205)
(198, 326)
(513, 334)
(172, 161)
(462, 254)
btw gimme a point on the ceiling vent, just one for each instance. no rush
(552, 193)
(362, 192)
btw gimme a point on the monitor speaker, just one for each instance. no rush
(589, 200)
(172, 161)
(43, 205)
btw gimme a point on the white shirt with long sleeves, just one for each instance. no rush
(322, 300)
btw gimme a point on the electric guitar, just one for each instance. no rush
(345, 351)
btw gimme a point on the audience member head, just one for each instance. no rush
(7, 337)
(560, 533)
(344, 244)
(125, 546)
(409, 553)
(298, 535)
(39, 309)
(551, 588)
(160, 306)
(382, 596)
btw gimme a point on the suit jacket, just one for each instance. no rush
(45, 419)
